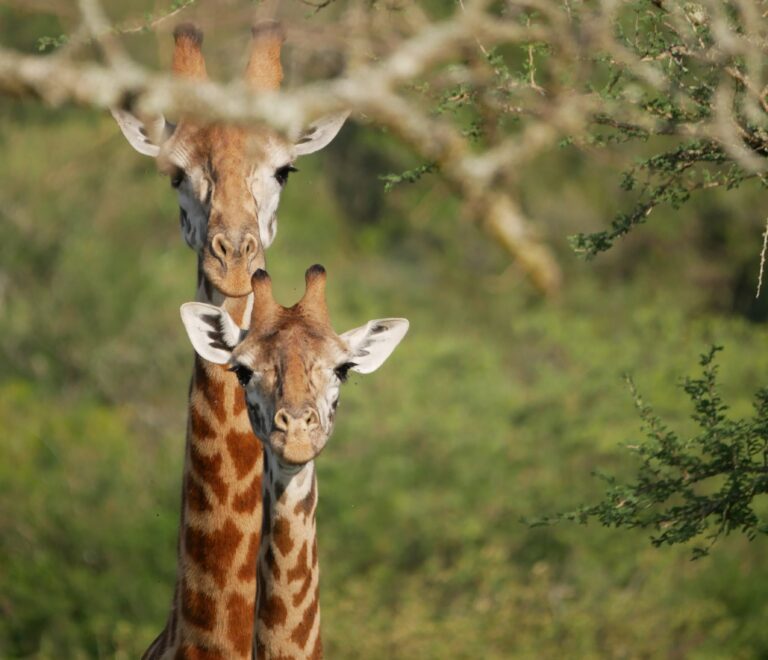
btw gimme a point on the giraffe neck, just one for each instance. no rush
(288, 612)
(215, 596)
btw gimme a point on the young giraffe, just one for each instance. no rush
(291, 364)
(229, 181)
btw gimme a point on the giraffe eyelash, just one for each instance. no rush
(243, 373)
(342, 371)
(281, 173)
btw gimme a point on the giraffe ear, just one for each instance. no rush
(146, 138)
(211, 330)
(371, 344)
(319, 134)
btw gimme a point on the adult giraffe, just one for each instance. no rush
(291, 364)
(229, 181)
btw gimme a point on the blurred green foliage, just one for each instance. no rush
(498, 405)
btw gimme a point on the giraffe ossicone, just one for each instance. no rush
(290, 364)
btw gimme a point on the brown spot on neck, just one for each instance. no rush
(190, 652)
(208, 469)
(212, 382)
(214, 551)
(247, 572)
(273, 612)
(196, 498)
(198, 608)
(245, 449)
(238, 405)
(281, 535)
(301, 567)
(199, 426)
(300, 634)
(240, 615)
(300, 595)
(246, 501)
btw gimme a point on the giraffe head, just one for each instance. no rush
(228, 178)
(290, 361)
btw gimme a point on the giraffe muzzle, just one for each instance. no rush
(297, 438)
(230, 261)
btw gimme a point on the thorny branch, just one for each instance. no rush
(481, 93)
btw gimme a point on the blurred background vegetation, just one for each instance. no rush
(498, 405)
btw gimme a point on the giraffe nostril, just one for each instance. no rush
(220, 246)
(250, 246)
(282, 420)
(311, 418)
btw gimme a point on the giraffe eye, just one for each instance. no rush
(281, 173)
(243, 373)
(177, 178)
(342, 369)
